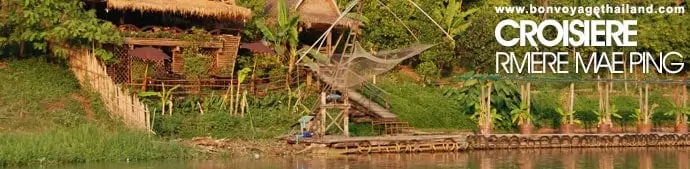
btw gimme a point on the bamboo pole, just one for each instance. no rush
(600, 91)
(243, 103)
(572, 102)
(640, 101)
(646, 103)
(488, 105)
(322, 113)
(685, 102)
(529, 96)
(329, 42)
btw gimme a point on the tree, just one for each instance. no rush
(54, 25)
(477, 47)
(453, 20)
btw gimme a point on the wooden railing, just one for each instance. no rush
(376, 94)
(91, 73)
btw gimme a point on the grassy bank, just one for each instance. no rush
(424, 107)
(45, 117)
(84, 143)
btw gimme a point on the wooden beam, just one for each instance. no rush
(346, 116)
(168, 42)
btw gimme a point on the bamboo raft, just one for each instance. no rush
(463, 142)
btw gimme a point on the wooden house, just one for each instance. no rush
(167, 25)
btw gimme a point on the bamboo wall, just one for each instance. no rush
(92, 73)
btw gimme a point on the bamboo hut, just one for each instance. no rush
(167, 25)
(225, 11)
(316, 16)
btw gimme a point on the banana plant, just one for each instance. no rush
(614, 112)
(605, 118)
(482, 117)
(452, 18)
(285, 35)
(681, 113)
(637, 115)
(241, 77)
(643, 118)
(521, 114)
(284, 38)
(565, 116)
(164, 98)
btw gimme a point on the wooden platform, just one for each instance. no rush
(462, 142)
(343, 139)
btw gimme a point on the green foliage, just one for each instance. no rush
(251, 31)
(677, 110)
(196, 65)
(54, 24)
(680, 112)
(565, 116)
(141, 69)
(477, 46)
(85, 143)
(503, 94)
(454, 21)
(242, 74)
(659, 104)
(363, 129)
(451, 17)
(267, 117)
(480, 115)
(626, 106)
(637, 115)
(584, 110)
(544, 106)
(164, 97)
(521, 114)
(428, 70)
(423, 107)
(284, 34)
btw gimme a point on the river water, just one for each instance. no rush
(604, 158)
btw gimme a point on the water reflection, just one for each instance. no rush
(628, 158)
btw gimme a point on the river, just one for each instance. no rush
(602, 158)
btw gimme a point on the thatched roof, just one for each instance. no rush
(313, 12)
(227, 11)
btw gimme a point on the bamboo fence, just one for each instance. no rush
(92, 73)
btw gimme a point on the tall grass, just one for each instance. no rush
(85, 143)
